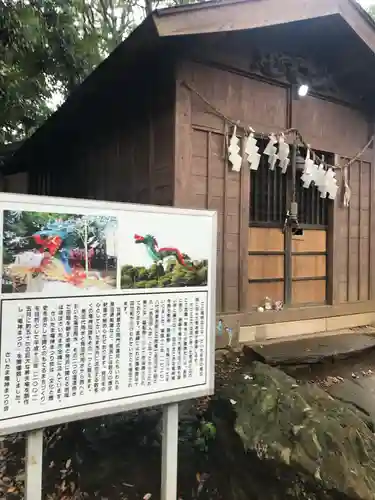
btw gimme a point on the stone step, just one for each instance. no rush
(316, 349)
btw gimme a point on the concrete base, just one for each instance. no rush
(295, 329)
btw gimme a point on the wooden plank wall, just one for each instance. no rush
(214, 187)
(127, 152)
(267, 266)
(266, 271)
(131, 162)
(16, 183)
(309, 271)
(203, 178)
(329, 126)
(344, 131)
(353, 230)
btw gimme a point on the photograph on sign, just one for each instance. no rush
(104, 308)
(53, 252)
(154, 253)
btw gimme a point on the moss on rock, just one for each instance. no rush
(317, 447)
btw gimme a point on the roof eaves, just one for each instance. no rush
(234, 15)
(360, 21)
(142, 36)
(363, 12)
(208, 4)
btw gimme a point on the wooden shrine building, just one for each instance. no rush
(151, 125)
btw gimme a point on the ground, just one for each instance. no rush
(119, 457)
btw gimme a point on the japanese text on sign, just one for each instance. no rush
(59, 353)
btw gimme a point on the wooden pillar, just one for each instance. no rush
(332, 247)
(372, 224)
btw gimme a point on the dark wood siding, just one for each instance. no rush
(329, 126)
(15, 183)
(344, 131)
(127, 152)
(161, 144)
(352, 234)
(203, 179)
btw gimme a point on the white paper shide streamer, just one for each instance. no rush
(278, 151)
(283, 154)
(331, 184)
(309, 171)
(270, 151)
(320, 180)
(251, 149)
(234, 151)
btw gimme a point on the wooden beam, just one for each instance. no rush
(298, 314)
(232, 16)
(229, 15)
(360, 21)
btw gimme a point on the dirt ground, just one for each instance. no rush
(107, 466)
(333, 371)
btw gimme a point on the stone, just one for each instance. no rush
(354, 393)
(307, 443)
(315, 349)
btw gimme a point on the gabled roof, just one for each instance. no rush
(165, 25)
(234, 15)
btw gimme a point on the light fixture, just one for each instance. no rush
(303, 90)
(299, 89)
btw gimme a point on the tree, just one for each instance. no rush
(107, 21)
(371, 10)
(41, 49)
(47, 47)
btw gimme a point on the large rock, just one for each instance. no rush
(290, 441)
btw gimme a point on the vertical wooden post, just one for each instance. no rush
(243, 279)
(372, 226)
(332, 251)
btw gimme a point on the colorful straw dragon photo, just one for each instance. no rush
(168, 266)
(59, 256)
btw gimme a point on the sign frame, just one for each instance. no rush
(65, 415)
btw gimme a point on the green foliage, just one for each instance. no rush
(155, 276)
(47, 47)
(42, 49)
(19, 226)
(205, 434)
(371, 10)
(108, 22)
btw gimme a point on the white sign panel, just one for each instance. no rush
(104, 308)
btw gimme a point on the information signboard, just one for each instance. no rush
(105, 307)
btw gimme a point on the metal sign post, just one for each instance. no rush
(34, 465)
(169, 452)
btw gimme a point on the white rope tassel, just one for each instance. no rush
(347, 190)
